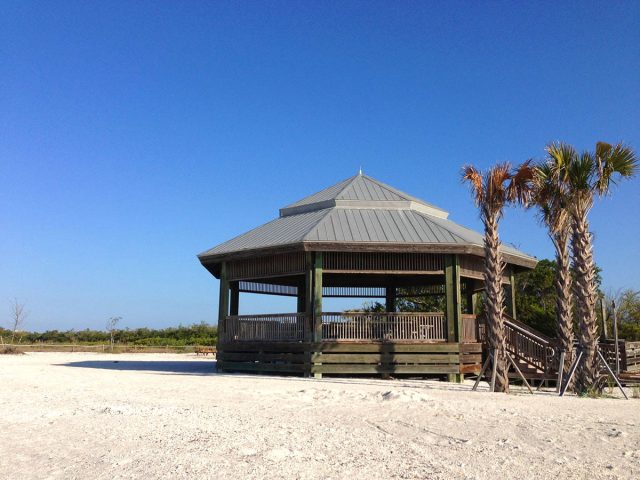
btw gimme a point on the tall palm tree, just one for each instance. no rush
(491, 191)
(586, 176)
(552, 200)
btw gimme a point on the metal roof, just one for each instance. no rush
(363, 211)
(361, 191)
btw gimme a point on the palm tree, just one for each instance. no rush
(552, 199)
(491, 191)
(585, 176)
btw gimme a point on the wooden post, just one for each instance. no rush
(307, 297)
(302, 304)
(390, 300)
(317, 297)
(235, 298)
(223, 309)
(512, 282)
(317, 301)
(454, 312)
(452, 289)
(470, 297)
(615, 336)
(603, 311)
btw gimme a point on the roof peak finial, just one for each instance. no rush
(360, 171)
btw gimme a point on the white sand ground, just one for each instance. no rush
(80, 415)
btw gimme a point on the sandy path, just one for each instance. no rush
(80, 415)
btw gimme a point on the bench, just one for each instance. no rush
(206, 351)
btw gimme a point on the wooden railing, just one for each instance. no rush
(608, 349)
(270, 327)
(384, 326)
(525, 343)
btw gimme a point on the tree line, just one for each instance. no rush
(536, 304)
(196, 334)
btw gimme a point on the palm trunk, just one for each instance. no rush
(585, 291)
(564, 318)
(495, 299)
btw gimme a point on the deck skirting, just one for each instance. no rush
(350, 358)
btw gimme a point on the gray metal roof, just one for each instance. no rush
(359, 210)
(360, 191)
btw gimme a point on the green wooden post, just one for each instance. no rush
(235, 298)
(302, 304)
(223, 311)
(390, 300)
(512, 281)
(470, 297)
(317, 301)
(454, 312)
(308, 296)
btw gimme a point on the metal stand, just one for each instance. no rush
(482, 370)
(492, 380)
(606, 365)
(571, 373)
(519, 372)
(601, 360)
(560, 371)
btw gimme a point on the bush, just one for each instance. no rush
(10, 350)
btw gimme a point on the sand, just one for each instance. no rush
(86, 415)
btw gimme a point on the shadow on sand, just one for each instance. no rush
(209, 368)
(179, 368)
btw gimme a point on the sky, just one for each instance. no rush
(135, 135)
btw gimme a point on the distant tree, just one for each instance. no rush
(415, 299)
(112, 323)
(536, 297)
(627, 313)
(629, 307)
(18, 316)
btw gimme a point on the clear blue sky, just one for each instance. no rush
(134, 135)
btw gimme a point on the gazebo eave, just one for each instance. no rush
(212, 261)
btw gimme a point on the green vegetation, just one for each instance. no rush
(536, 303)
(628, 313)
(536, 297)
(196, 334)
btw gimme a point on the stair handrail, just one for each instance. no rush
(548, 344)
(527, 329)
(528, 332)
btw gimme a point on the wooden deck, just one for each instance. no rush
(351, 343)
(351, 358)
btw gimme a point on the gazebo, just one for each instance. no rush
(359, 238)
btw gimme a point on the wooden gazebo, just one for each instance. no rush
(359, 238)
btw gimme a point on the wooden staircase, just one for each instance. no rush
(533, 352)
(537, 355)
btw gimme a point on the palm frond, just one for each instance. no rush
(559, 157)
(496, 189)
(617, 162)
(581, 172)
(521, 184)
(551, 197)
(472, 175)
